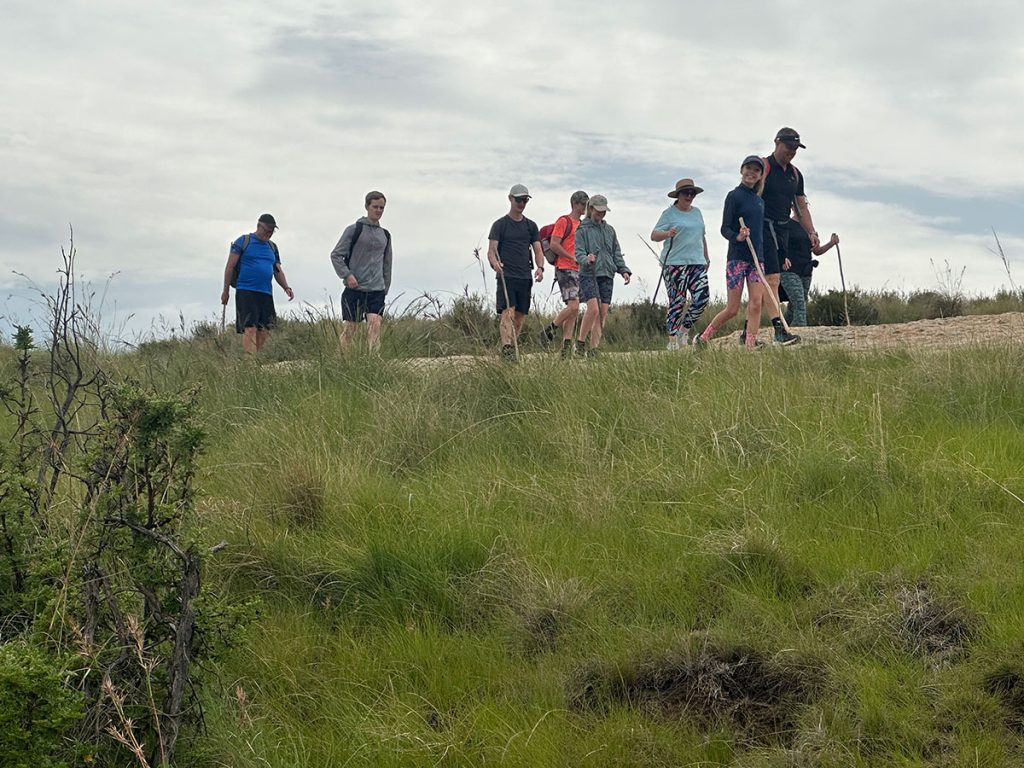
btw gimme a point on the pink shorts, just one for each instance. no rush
(737, 271)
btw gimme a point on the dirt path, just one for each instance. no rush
(919, 334)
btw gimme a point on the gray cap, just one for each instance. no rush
(519, 190)
(599, 203)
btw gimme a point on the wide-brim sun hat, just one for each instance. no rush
(684, 184)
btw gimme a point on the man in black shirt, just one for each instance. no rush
(783, 189)
(512, 240)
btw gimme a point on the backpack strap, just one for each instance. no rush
(355, 239)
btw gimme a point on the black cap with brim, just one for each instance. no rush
(789, 136)
(752, 160)
(267, 219)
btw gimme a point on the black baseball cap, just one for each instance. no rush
(267, 219)
(752, 160)
(790, 136)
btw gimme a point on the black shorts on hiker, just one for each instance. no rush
(254, 309)
(776, 245)
(519, 291)
(356, 304)
(603, 288)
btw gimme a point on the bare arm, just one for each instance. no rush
(538, 257)
(229, 271)
(659, 235)
(821, 249)
(492, 255)
(805, 220)
(283, 281)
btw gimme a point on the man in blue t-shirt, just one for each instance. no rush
(257, 262)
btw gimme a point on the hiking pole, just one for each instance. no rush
(504, 287)
(842, 282)
(223, 317)
(764, 280)
(661, 274)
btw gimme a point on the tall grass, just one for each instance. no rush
(808, 557)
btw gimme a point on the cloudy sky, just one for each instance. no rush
(160, 132)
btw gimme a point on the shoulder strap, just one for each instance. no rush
(245, 244)
(352, 243)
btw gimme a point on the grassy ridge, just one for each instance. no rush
(808, 557)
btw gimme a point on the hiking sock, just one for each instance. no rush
(780, 329)
(581, 348)
(751, 342)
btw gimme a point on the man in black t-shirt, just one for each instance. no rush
(783, 189)
(512, 241)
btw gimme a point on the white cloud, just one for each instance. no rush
(162, 133)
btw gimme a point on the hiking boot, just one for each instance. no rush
(581, 348)
(785, 339)
(508, 353)
(566, 349)
(699, 343)
(546, 335)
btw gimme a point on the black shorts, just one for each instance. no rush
(356, 304)
(776, 246)
(520, 289)
(591, 290)
(254, 309)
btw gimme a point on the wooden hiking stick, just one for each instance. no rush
(504, 288)
(842, 281)
(764, 280)
(223, 317)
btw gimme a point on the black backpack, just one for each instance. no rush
(355, 239)
(238, 264)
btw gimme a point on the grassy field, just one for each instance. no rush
(807, 557)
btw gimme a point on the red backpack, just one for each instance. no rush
(545, 238)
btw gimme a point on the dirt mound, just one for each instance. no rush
(711, 684)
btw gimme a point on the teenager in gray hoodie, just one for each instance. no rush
(600, 259)
(362, 259)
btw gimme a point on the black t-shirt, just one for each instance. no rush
(781, 187)
(800, 254)
(514, 241)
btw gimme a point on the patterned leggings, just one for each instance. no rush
(679, 280)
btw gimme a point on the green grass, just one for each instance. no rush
(582, 564)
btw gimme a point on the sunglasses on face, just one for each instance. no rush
(522, 200)
(687, 193)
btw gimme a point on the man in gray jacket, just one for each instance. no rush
(362, 259)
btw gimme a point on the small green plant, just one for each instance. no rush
(39, 711)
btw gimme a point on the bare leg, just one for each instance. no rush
(347, 333)
(732, 307)
(589, 320)
(520, 318)
(598, 332)
(249, 340)
(262, 334)
(566, 319)
(769, 305)
(373, 332)
(755, 294)
(505, 327)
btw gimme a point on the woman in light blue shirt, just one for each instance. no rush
(684, 261)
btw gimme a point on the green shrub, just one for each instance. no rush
(37, 709)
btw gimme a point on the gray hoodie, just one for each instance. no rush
(600, 240)
(371, 257)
